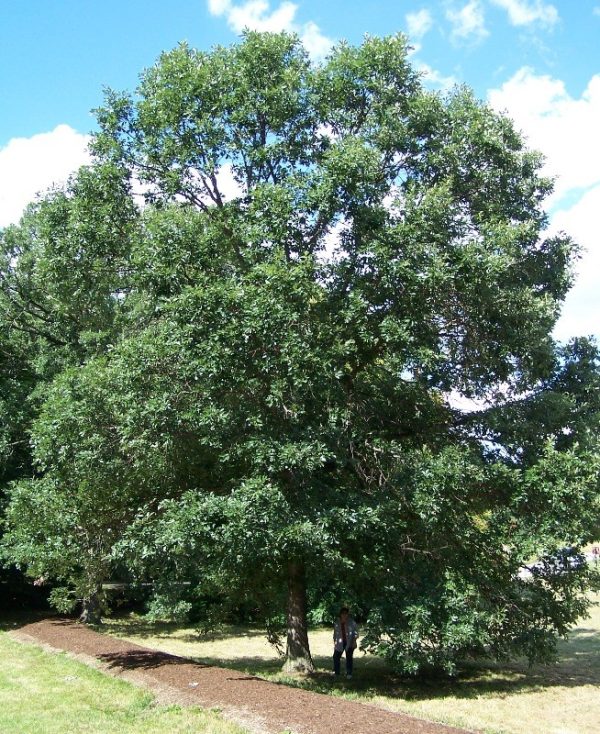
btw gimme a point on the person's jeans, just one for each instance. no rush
(337, 656)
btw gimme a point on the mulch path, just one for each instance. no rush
(259, 705)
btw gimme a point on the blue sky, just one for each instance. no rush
(537, 59)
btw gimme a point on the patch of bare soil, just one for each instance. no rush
(259, 705)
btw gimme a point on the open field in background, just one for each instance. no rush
(496, 699)
(50, 693)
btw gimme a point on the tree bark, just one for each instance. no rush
(297, 657)
(91, 612)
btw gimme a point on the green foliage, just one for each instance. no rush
(444, 548)
(260, 368)
(63, 266)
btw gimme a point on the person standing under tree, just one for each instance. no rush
(345, 633)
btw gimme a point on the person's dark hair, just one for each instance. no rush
(344, 609)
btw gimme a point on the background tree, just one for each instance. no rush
(328, 259)
(63, 280)
(16, 381)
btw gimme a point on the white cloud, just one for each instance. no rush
(218, 7)
(582, 305)
(229, 188)
(419, 23)
(563, 128)
(317, 45)
(526, 12)
(31, 165)
(434, 77)
(257, 15)
(468, 23)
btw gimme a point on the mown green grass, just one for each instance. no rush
(496, 699)
(50, 693)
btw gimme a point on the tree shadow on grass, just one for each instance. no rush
(166, 630)
(579, 664)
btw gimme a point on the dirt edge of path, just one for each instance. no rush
(164, 694)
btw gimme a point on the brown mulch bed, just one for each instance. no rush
(259, 705)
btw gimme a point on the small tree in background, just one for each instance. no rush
(62, 279)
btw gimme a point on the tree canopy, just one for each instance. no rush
(289, 339)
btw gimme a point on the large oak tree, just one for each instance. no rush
(329, 362)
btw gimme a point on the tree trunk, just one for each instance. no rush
(90, 613)
(297, 655)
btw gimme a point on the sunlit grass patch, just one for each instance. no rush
(50, 693)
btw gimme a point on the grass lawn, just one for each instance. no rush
(497, 699)
(48, 693)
